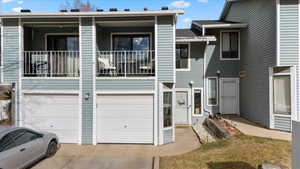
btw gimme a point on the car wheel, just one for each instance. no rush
(52, 149)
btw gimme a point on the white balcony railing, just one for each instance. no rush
(51, 64)
(125, 63)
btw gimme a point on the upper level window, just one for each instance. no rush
(63, 43)
(230, 45)
(182, 56)
(131, 42)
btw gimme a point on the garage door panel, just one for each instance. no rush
(54, 113)
(52, 123)
(125, 119)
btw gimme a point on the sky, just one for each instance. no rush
(194, 9)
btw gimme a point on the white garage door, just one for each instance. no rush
(125, 119)
(53, 113)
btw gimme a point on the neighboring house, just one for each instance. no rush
(252, 67)
(93, 77)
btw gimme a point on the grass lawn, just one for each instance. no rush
(239, 152)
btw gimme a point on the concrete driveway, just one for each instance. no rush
(108, 156)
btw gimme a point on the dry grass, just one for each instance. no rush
(239, 152)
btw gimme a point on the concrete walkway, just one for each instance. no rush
(108, 156)
(252, 129)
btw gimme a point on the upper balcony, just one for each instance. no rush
(123, 49)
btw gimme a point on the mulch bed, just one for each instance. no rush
(220, 128)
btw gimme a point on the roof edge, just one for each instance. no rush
(92, 14)
(226, 8)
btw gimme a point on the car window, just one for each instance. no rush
(25, 137)
(6, 143)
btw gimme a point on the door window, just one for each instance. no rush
(131, 42)
(212, 91)
(63, 43)
(167, 106)
(6, 143)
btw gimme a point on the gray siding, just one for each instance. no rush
(50, 84)
(165, 49)
(168, 136)
(195, 74)
(282, 123)
(87, 79)
(125, 84)
(289, 44)
(296, 145)
(11, 64)
(165, 60)
(289, 32)
(258, 51)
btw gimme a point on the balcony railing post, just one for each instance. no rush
(125, 64)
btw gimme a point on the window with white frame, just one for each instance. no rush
(167, 108)
(182, 56)
(197, 101)
(230, 45)
(212, 93)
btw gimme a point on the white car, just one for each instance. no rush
(22, 147)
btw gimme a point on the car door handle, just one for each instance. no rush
(23, 149)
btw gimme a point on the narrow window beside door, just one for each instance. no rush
(212, 91)
(167, 106)
(197, 101)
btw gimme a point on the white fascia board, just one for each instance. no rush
(92, 14)
(234, 25)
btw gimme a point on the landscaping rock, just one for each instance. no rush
(203, 134)
(215, 129)
(268, 166)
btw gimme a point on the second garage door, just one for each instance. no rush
(125, 119)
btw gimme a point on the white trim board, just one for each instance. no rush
(221, 45)
(80, 84)
(94, 32)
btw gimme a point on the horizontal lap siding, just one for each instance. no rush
(87, 79)
(282, 123)
(11, 54)
(165, 49)
(289, 42)
(258, 53)
(50, 84)
(289, 49)
(11, 48)
(125, 84)
(165, 59)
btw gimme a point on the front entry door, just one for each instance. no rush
(181, 113)
(229, 95)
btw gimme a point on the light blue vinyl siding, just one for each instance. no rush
(11, 64)
(50, 84)
(87, 79)
(165, 59)
(125, 84)
(282, 123)
(165, 49)
(289, 32)
(168, 135)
